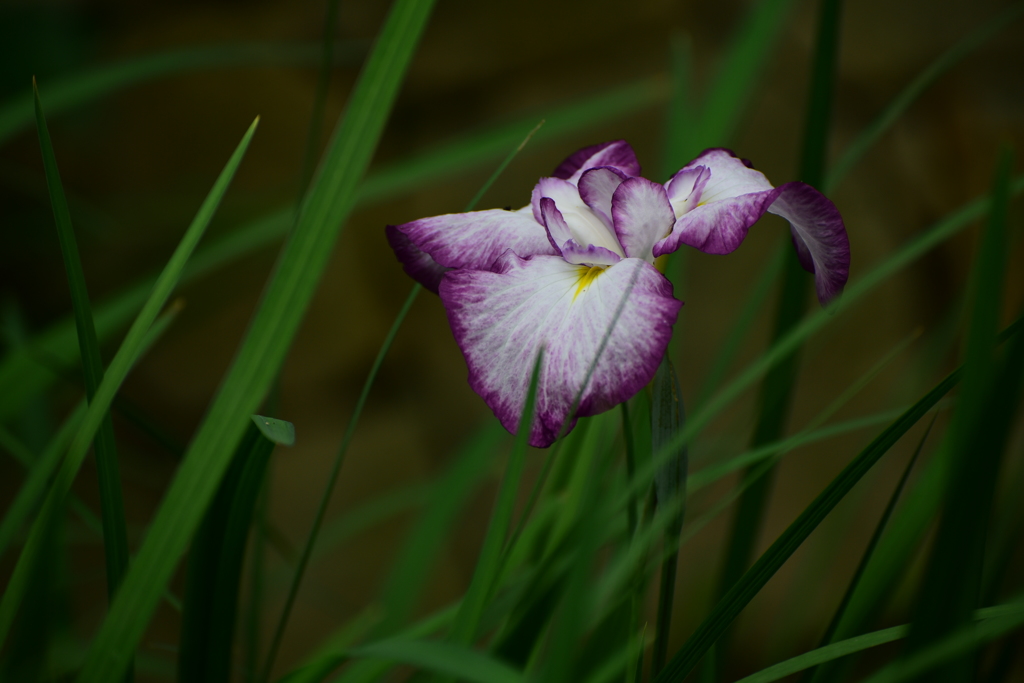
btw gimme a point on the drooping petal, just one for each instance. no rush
(466, 240)
(642, 216)
(819, 236)
(590, 255)
(617, 154)
(501, 319)
(585, 226)
(417, 264)
(596, 186)
(718, 227)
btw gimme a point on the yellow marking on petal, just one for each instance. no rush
(587, 275)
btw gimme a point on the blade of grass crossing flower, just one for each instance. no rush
(978, 435)
(667, 417)
(488, 564)
(737, 76)
(758, 575)
(94, 83)
(856, 150)
(828, 674)
(347, 438)
(302, 263)
(115, 529)
(59, 487)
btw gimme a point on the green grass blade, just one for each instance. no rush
(978, 435)
(115, 529)
(867, 138)
(682, 107)
(754, 579)
(298, 271)
(829, 636)
(426, 538)
(737, 76)
(489, 563)
(59, 489)
(442, 657)
(1005, 619)
(95, 83)
(24, 503)
(830, 653)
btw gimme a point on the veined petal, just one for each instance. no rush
(585, 226)
(590, 255)
(617, 154)
(417, 264)
(596, 186)
(466, 240)
(501, 319)
(819, 236)
(643, 216)
(730, 176)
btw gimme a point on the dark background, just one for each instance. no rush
(137, 164)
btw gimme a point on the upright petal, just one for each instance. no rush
(466, 240)
(596, 186)
(585, 225)
(642, 216)
(730, 175)
(719, 227)
(819, 236)
(617, 154)
(501, 319)
(685, 188)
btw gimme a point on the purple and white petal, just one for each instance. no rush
(730, 176)
(819, 236)
(472, 240)
(554, 223)
(718, 227)
(417, 264)
(585, 226)
(502, 318)
(686, 186)
(596, 186)
(617, 154)
(643, 216)
(590, 255)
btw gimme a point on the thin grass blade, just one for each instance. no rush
(115, 529)
(442, 657)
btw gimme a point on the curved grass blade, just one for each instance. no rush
(94, 83)
(843, 648)
(947, 60)
(1005, 619)
(828, 674)
(754, 579)
(298, 271)
(115, 529)
(442, 657)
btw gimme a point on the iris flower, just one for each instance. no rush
(554, 273)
